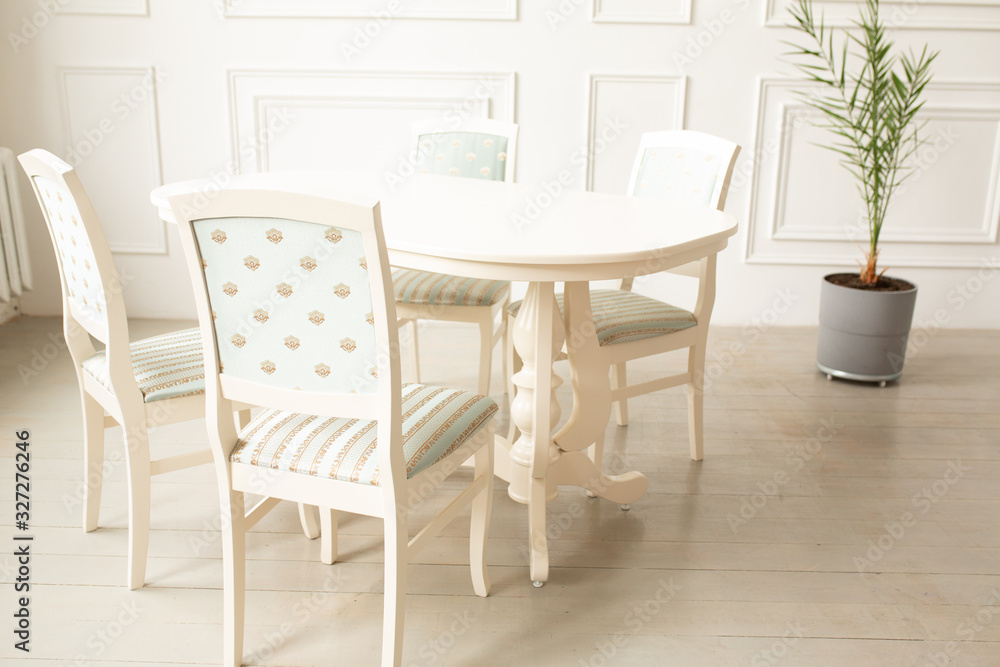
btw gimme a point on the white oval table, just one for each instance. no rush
(480, 229)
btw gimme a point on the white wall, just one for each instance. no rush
(177, 90)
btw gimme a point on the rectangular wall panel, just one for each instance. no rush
(112, 138)
(105, 7)
(913, 14)
(343, 120)
(642, 11)
(434, 9)
(806, 208)
(622, 108)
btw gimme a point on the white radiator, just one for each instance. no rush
(15, 266)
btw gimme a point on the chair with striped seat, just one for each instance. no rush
(690, 167)
(141, 385)
(338, 429)
(483, 149)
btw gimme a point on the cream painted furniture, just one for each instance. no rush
(462, 226)
(320, 353)
(478, 148)
(151, 382)
(141, 385)
(681, 166)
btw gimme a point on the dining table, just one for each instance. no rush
(542, 236)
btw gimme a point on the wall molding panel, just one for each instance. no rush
(486, 10)
(112, 137)
(106, 7)
(641, 11)
(904, 14)
(939, 232)
(798, 187)
(279, 118)
(621, 108)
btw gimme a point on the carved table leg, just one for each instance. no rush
(591, 408)
(536, 466)
(538, 337)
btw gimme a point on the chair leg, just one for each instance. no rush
(328, 523)
(415, 350)
(93, 460)
(234, 576)
(394, 610)
(485, 356)
(506, 354)
(137, 464)
(696, 400)
(514, 366)
(482, 507)
(618, 381)
(308, 519)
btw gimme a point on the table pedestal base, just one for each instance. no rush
(537, 463)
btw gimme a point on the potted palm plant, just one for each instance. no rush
(869, 101)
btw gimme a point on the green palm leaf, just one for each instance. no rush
(872, 109)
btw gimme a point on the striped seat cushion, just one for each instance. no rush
(426, 288)
(167, 366)
(624, 317)
(436, 421)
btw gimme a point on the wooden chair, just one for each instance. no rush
(321, 356)
(148, 383)
(483, 149)
(151, 382)
(691, 167)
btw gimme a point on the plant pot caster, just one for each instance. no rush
(830, 376)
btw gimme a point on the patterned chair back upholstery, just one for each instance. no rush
(686, 166)
(291, 303)
(295, 305)
(481, 149)
(77, 262)
(90, 283)
(466, 154)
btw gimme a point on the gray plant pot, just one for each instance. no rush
(863, 333)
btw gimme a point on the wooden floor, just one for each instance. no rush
(831, 523)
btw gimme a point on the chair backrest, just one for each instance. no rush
(295, 304)
(689, 166)
(91, 286)
(15, 262)
(477, 148)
